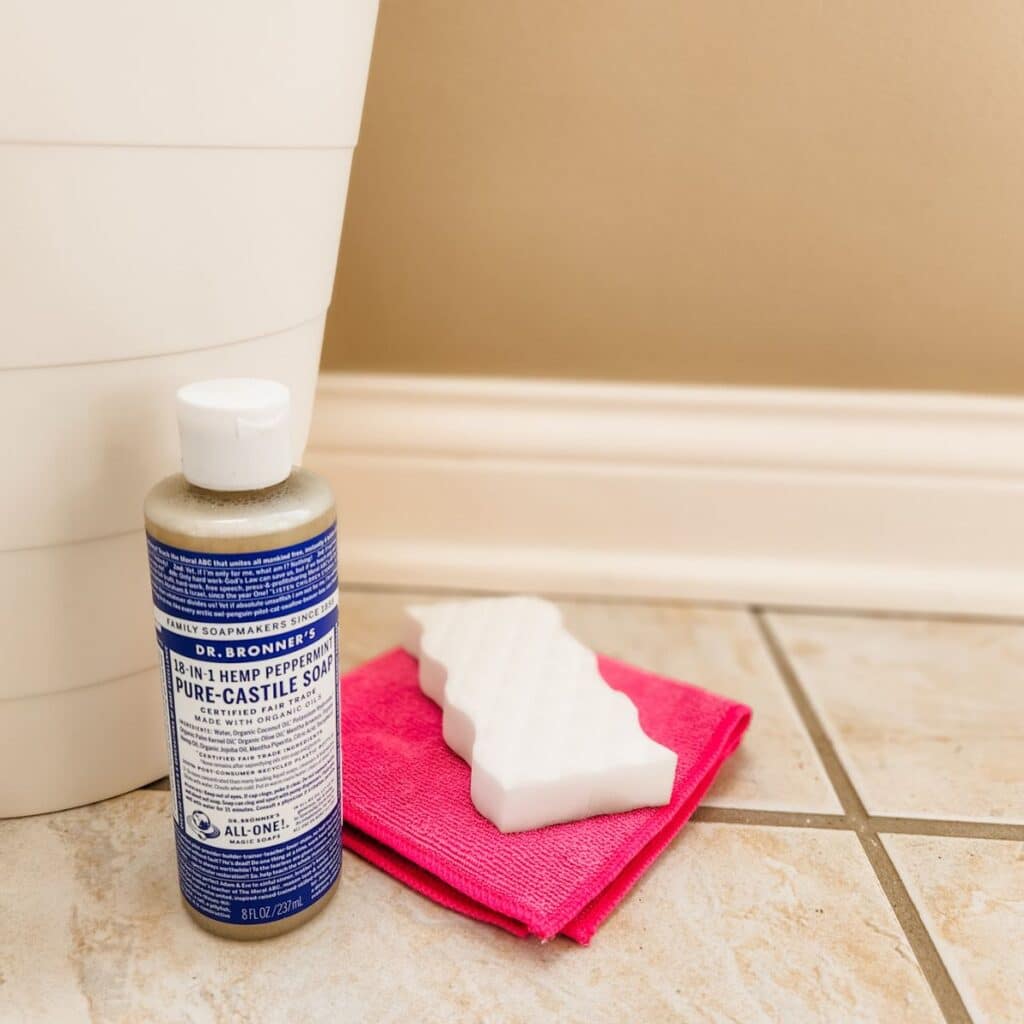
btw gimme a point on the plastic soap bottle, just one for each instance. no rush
(243, 560)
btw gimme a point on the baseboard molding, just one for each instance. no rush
(795, 497)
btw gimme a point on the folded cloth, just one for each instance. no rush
(408, 810)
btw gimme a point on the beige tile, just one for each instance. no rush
(39, 891)
(370, 623)
(776, 767)
(927, 717)
(970, 894)
(733, 923)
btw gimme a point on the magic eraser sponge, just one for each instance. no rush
(524, 704)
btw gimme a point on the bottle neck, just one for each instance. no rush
(228, 495)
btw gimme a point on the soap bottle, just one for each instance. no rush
(243, 563)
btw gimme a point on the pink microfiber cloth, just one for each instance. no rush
(407, 805)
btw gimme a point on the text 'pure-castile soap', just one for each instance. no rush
(243, 560)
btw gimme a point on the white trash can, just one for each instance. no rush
(172, 186)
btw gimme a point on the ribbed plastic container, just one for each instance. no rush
(172, 187)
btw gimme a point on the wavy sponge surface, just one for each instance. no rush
(523, 702)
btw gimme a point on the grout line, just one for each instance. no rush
(949, 829)
(943, 827)
(848, 796)
(945, 992)
(776, 819)
(802, 819)
(892, 613)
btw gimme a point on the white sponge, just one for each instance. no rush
(546, 737)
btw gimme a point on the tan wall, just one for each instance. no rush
(805, 192)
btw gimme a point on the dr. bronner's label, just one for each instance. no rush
(249, 651)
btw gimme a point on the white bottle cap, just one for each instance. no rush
(234, 433)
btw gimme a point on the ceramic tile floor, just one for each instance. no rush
(862, 859)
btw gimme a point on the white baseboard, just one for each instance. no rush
(861, 500)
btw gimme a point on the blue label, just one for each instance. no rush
(202, 587)
(249, 655)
